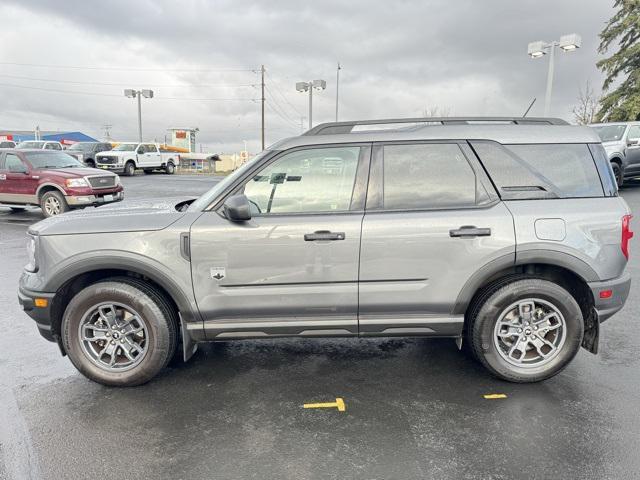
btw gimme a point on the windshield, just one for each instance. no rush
(206, 198)
(30, 144)
(52, 160)
(125, 147)
(82, 147)
(610, 133)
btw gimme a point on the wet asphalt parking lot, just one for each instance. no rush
(414, 407)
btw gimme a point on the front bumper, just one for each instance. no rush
(619, 287)
(42, 315)
(112, 167)
(99, 199)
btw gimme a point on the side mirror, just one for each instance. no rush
(140, 151)
(632, 142)
(237, 208)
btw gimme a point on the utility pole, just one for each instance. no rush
(131, 93)
(262, 102)
(337, 87)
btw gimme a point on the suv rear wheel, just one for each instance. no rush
(525, 331)
(53, 203)
(119, 332)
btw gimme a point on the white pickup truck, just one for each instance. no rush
(127, 157)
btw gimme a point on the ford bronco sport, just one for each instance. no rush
(506, 234)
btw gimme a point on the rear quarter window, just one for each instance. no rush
(534, 171)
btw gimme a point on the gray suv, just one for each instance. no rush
(621, 141)
(505, 234)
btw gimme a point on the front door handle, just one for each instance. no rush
(320, 235)
(470, 231)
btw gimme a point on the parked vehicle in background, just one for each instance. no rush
(127, 157)
(511, 239)
(621, 141)
(40, 144)
(54, 181)
(7, 144)
(86, 151)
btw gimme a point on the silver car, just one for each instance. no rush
(621, 141)
(504, 234)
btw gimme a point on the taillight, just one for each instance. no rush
(627, 234)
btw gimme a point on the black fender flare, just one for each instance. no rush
(547, 257)
(104, 260)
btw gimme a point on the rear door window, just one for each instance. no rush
(531, 171)
(428, 176)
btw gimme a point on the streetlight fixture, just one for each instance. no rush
(308, 87)
(538, 49)
(131, 93)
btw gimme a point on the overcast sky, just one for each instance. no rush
(200, 58)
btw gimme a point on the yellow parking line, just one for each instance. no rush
(339, 404)
(494, 396)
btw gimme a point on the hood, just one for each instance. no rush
(116, 153)
(73, 172)
(113, 218)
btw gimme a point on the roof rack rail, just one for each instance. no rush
(332, 128)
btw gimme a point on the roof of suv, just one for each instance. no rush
(505, 134)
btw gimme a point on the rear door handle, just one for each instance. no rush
(321, 235)
(470, 231)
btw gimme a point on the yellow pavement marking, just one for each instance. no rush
(494, 396)
(339, 404)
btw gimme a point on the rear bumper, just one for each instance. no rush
(606, 307)
(41, 315)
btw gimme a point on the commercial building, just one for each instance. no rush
(66, 138)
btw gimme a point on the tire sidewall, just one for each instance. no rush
(64, 207)
(129, 169)
(483, 329)
(157, 329)
(170, 168)
(617, 172)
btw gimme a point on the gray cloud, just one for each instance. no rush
(398, 57)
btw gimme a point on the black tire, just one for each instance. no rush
(53, 203)
(617, 172)
(17, 209)
(130, 169)
(156, 312)
(487, 309)
(170, 169)
(90, 163)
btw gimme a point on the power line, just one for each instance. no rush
(129, 69)
(275, 84)
(127, 84)
(96, 94)
(275, 107)
(288, 122)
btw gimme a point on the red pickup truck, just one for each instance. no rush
(53, 180)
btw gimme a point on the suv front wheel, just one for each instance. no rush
(119, 332)
(525, 331)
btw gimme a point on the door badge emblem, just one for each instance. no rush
(217, 273)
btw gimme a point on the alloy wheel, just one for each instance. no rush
(530, 333)
(113, 336)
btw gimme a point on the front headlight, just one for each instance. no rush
(32, 247)
(76, 182)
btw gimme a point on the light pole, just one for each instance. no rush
(130, 93)
(308, 87)
(537, 49)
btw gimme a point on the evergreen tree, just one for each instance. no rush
(622, 103)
